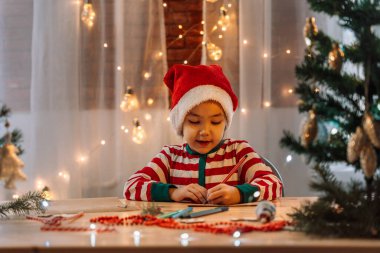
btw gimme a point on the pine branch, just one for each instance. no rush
(29, 202)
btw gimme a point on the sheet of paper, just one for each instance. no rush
(88, 205)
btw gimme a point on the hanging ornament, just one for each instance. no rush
(310, 30)
(224, 18)
(336, 56)
(130, 101)
(356, 144)
(368, 160)
(372, 129)
(88, 14)
(10, 165)
(138, 133)
(214, 52)
(309, 129)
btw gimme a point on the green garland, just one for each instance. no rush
(29, 202)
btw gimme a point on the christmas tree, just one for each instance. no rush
(343, 121)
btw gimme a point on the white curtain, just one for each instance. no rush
(77, 140)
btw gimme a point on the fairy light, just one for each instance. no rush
(245, 42)
(334, 131)
(201, 32)
(185, 62)
(147, 75)
(243, 110)
(39, 184)
(267, 104)
(220, 36)
(103, 142)
(150, 101)
(15, 196)
(290, 91)
(237, 243)
(214, 52)
(289, 158)
(165, 5)
(180, 36)
(118, 68)
(236, 234)
(168, 118)
(88, 14)
(180, 26)
(159, 55)
(148, 116)
(82, 159)
(126, 130)
(288, 51)
(265, 55)
(105, 45)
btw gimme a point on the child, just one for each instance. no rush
(203, 103)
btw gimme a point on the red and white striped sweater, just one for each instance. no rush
(178, 165)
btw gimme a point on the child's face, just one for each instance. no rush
(204, 126)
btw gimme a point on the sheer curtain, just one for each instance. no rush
(78, 141)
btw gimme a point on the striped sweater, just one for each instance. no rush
(178, 165)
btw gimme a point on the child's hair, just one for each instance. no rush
(192, 85)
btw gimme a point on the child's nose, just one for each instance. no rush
(205, 129)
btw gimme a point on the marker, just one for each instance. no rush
(182, 213)
(206, 212)
(234, 169)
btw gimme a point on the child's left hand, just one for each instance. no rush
(223, 194)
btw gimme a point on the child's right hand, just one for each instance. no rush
(194, 192)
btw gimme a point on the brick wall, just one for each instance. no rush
(187, 13)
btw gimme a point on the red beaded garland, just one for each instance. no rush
(215, 228)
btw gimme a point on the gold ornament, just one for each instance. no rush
(336, 56)
(355, 144)
(310, 30)
(309, 130)
(368, 160)
(372, 129)
(10, 166)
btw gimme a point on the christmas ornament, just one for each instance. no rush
(355, 144)
(265, 211)
(372, 129)
(309, 129)
(310, 30)
(10, 165)
(336, 56)
(138, 133)
(130, 101)
(214, 52)
(368, 160)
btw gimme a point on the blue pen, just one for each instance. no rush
(182, 213)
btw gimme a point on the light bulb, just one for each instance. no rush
(130, 101)
(214, 52)
(224, 18)
(88, 14)
(138, 133)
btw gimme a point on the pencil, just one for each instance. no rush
(234, 169)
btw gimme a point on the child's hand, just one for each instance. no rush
(195, 192)
(223, 194)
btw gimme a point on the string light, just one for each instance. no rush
(245, 42)
(138, 133)
(147, 75)
(129, 101)
(267, 104)
(105, 45)
(15, 196)
(118, 68)
(288, 51)
(265, 55)
(165, 5)
(243, 110)
(150, 101)
(148, 116)
(88, 14)
(102, 142)
(224, 18)
(289, 158)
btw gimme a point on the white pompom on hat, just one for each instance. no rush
(192, 85)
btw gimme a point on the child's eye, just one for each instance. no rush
(216, 122)
(194, 122)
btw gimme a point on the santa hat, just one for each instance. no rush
(192, 85)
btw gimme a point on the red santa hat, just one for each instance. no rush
(192, 85)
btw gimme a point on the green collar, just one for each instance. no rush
(192, 152)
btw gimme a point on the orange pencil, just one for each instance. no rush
(234, 169)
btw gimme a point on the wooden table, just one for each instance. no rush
(20, 235)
